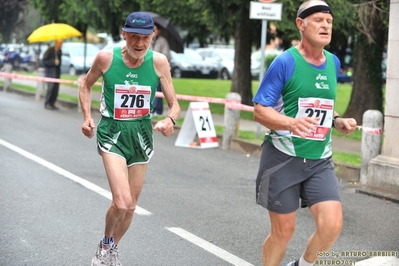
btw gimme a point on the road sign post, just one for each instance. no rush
(264, 11)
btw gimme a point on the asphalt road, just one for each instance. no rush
(197, 206)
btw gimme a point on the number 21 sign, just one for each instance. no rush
(198, 130)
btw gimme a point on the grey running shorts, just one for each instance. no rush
(131, 139)
(284, 180)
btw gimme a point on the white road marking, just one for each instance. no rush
(221, 253)
(75, 178)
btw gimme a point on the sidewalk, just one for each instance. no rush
(339, 144)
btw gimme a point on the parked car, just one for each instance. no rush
(223, 57)
(191, 64)
(112, 45)
(73, 58)
(256, 61)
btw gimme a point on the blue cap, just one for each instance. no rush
(139, 22)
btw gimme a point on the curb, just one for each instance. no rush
(380, 193)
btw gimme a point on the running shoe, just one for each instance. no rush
(293, 263)
(102, 257)
(114, 257)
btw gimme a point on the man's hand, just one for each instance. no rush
(302, 125)
(165, 126)
(345, 125)
(88, 128)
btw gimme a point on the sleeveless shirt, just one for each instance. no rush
(128, 93)
(307, 91)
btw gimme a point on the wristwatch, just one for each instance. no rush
(333, 122)
(173, 120)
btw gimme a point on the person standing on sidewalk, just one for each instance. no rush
(160, 45)
(295, 101)
(52, 66)
(125, 132)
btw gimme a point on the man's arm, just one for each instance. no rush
(273, 120)
(162, 69)
(100, 64)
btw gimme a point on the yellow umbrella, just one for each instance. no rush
(53, 31)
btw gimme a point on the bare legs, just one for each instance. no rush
(282, 229)
(328, 219)
(126, 184)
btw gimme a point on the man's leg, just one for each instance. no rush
(136, 181)
(328, 219)
(50, 88)
(125, 187)
(54, 94)
(282, 229)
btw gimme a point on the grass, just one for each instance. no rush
(219, 89)
(348, 158)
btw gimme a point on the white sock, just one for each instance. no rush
(303, 262)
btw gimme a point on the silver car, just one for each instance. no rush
(223, 57)
(191, 64)
(256, 61)
(73, 57)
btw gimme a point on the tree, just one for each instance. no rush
(231, 18)
(370, 41)
(184, 15)
(242, 78)
(11, 18)
(98, 14)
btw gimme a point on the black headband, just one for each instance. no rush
(315, 9)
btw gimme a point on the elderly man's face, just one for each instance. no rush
(137, 45)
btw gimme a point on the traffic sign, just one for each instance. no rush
(266, 11)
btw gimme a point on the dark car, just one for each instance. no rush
(345, 76)
(191, 64)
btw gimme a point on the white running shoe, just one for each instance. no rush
(114, 259)
(102, 257)
(293, 263)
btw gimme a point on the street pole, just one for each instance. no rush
(262, 64)
(264, 10)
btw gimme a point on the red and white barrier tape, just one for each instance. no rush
(236, 105)
(370, 130)
(44, 79)
(231, 104)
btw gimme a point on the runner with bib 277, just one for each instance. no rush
(295, 101)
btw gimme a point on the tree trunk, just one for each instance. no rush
(242, 80)
(367, 92)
